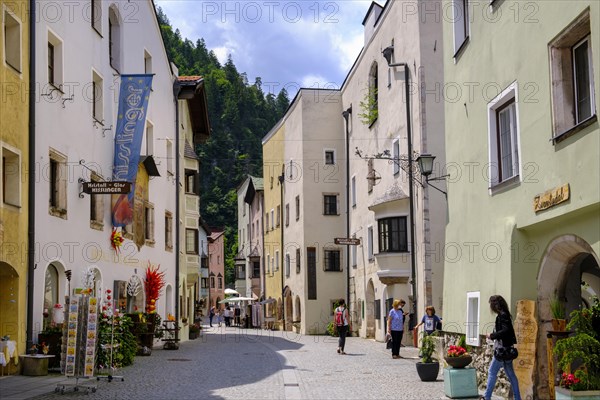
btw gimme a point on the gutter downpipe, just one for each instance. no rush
(31, 182)
(346, 114)
(281, 182)
(176, 91)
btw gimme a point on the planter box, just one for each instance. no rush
(35, 365)
(566, 394)
(460, 382)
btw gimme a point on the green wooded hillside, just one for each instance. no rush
(240, 115)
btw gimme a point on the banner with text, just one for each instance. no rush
(131, 122)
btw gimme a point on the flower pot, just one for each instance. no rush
(58, 316)
(458, 362)
(428, 372)
(566, 394)
(559, 325)
(147, 339)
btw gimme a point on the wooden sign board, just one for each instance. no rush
(551, 198)
(526, 331)
(106, 187)
(347, 241)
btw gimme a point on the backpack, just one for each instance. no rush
(438, 325)
(339, 316)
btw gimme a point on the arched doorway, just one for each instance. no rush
(370, 315)
(288, 304)
(567, 262)
(9, 301)
(169, 300)
(297, 307)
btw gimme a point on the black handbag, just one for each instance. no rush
(502, 353)
(388, 344)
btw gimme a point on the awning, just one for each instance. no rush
(230, 291)
(150, 165)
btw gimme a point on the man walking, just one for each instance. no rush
(211, 315)
(341, 321)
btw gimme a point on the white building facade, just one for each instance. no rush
(81, 57)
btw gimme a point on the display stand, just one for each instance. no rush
(80, 330)
(171, 335)
(109, 348)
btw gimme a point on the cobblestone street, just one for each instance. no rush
(240, 364)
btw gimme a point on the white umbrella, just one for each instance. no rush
(230, 291)
(268, 301)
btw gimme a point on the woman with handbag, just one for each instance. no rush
(504, 352)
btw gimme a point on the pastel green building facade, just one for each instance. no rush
(522, 147)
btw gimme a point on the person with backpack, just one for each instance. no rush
(341, 322)
(395, 326)
(431, 321)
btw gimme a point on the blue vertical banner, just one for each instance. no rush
(134, 94)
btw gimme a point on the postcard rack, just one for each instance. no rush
(80, 330)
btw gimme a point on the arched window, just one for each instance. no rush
(114, 38)
(51, 288)
(374, 87)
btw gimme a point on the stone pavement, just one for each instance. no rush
(234, 363)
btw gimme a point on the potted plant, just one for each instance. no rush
(557, 308)
(458, 356)
(428, 368)
(579, 353)
(195, 331)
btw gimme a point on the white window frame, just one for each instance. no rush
(461, 31)
(60, 209)
(370, 250)
(98, 110)
(16, 179)
(58, 69)
(396, 156)
(325, 151)
(147, 62)
(8, 12)
(96, 16)
(353, 190)
(473, 319)
(148, 139)
(149, 223)
(590, 68)
(354, 253)
(507, 95)
(337, 203)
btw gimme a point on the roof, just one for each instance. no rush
(216, 233)
(257, 182)
(192, 90)
(393, 193)
(189, 152)
(373, 4)
(186, 79)
(255, 185)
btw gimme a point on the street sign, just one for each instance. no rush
(106, 187)
(347, 241)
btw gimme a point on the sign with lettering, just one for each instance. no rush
(347, 241)
(526, 331)
(551, 198)
(106, 187)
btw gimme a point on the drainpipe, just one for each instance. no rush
(176, 90)
(32, 179)
(281, 182)
(346, 114)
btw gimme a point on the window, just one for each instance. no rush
(370, 243)
(472, 331)
(373, 103)
(256, 269)
(396, 156)
(298, 265)
(11, 177)
(267, 221)
(571, 65)
(50, 288)
(148, 140)
(272, 219)
(191, 182)
(278, 219)
(149, 222)
(353, 191)
(287, 264)
(269, 264)
(277, 260)
(168, 230)
(240, 272)
(57, 179)
(460, 23)
(114, 38)
(377, 310)
(354, 252)
(329, 157)
(392, 235)
(287, 215)
(96, 207)
(370, 175)
(212, 282)
(330, 204)
(311, 272)
(331, 261)
(147, 62)
(97, 97)
(170, 158)
(96, 15)
(55, 60)
(220, 283)
(204, 283)
(297, 208)
(503, 136)
(12, 40)
(191, 241)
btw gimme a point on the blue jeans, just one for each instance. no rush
(493, 375)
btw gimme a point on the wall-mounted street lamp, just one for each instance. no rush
(425, 162)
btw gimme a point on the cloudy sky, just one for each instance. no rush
(292, 44)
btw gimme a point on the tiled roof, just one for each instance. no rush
(188, 151)
(193, 78)
(257, 182)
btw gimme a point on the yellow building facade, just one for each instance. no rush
(14, 142)
(272, 169)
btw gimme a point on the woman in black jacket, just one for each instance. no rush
(505, 333)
